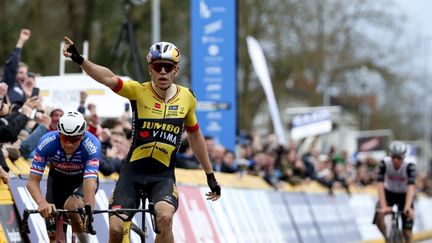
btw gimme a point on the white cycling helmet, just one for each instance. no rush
(163, 51)
(397, 148)
(72, 123)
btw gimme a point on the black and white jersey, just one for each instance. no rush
(396, 180)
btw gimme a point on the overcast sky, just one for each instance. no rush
(419, 21)
(419, 14)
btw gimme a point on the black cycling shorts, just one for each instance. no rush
(399, 199)
(156, 187)
(60, 189)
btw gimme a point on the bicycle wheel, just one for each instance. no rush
(395, 236)
(135, 228)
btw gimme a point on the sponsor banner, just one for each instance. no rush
(23, 200)
(302, 216)
(64, 92)
(239, 213)
(223, 220)
(311, 124)
(213, 29)
(423, 209)
(277, 211)
(418, 222)
(263, 222)
(363, 207)
(347, 218)
(195, 222)
(326, 216)
(374, 140)
(372, 144)
(9, 220)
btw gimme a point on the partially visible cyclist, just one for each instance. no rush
(396, 185)
(161, 109)
(73, 154)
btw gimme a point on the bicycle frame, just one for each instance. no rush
(395, 235)
(128, 220)
(60, 220)
(121, 211)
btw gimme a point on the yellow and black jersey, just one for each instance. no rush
(157, 125)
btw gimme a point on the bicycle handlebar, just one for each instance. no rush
(85, 212)
(118, 211)
(88, 213)
(88, 222)
(24, 221)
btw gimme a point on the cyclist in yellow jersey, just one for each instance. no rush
(161, 109)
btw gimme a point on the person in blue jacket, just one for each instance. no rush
(15, 74)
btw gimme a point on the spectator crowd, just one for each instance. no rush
(24, 119)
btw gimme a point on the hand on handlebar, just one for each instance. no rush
(88, 220)
(409, 212)
(45, 209)
(386, 210)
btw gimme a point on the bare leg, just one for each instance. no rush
(165, 214)
(52, 237)
(116, 229)
(381, 224)
(73, 203)
(407, 235)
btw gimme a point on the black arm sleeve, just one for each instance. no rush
(411, 174)
(381, 171)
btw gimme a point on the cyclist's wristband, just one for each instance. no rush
(76, 57)
(212, 183)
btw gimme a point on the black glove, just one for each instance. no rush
(76, 57)
(212, 183)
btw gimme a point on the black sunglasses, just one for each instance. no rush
(168, 67)
(396, 157)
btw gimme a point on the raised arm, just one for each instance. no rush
(10, 69)
(99, 73)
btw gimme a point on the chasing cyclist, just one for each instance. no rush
(73, 154)
(160, 111)
(396, 185)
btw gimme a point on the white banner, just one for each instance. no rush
(311, 124)
(64, 92)
(260, 65)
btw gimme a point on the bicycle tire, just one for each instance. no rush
(135, 228)
(395, 236)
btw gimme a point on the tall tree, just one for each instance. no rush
(315, 44)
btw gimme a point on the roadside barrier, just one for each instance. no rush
(248, 211)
